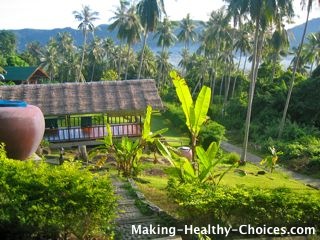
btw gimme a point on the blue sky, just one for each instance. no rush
(45, 14)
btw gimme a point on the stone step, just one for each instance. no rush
(144, 220)
(124, 202)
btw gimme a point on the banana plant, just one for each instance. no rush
(128, 151)
(271, 160)
(195, 113)
(183, 169)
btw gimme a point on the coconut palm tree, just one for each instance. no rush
(150, 12)
(132, 33)
(86, 17)
(309, 4)
(187, 33)
(120, 21)
(166, 38)
(216, 36)
(278, 45)
(49, 58)
(149, 63)
(66, 51)
(313, 50)
(97, 53)
(263, 14)
(164, 67)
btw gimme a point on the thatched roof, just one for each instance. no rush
(111, 97)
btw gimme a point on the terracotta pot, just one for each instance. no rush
(186, 152)
(21, 128)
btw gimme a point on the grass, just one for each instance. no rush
(173, 136)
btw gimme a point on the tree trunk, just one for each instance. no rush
(119, 62)
(283, 120)
(83, 52)
(83, 154)
(234, 86)
(142, 51)
(161, 70)
(227, 88)
(251, 94)
(93, 69)
(245, 64)
(127, 62)
(274, 66)
(212, 83)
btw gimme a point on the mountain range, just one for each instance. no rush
(25, 36)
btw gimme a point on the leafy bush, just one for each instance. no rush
(231, 158)
(204, 204)
(42, 201)
(211, 131)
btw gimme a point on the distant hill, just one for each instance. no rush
(313, 26)
(24, 36)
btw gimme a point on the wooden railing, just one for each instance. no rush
(73, 129)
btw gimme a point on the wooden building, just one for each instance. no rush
(25, 75)
(79, 111)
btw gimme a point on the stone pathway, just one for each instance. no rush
(312, 182)
(129, 215)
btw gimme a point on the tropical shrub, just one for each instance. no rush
(38, 200)
(203, 204)
(127, 151)
(211, 131)
(202, 165)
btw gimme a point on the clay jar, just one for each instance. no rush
(21, 128)
(186, 152)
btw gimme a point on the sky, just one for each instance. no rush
(48, 14)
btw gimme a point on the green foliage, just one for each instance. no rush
(305, 106)
(208, 204)
(271, 161)
(15, 60)
(176, 116)
(211, 131)
(8, 42)
(195, 113)
(42, 201)
(128, 151)
(231, 158)
(109, 75)
(201, 167)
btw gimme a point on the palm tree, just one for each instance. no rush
(49, 58)
(187, 33)
(166, 38)
(66, 51)
(96, 54)
(164, 67)
(284, 115)
(216, 37)
(313, 50)
(132, 33)
(149, 63)
(263, 14)
(185, 59)
(86, 18)
(150, 12)
(278, 42)
(120, 21)
(243, 42)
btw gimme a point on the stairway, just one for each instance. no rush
(132, 224)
